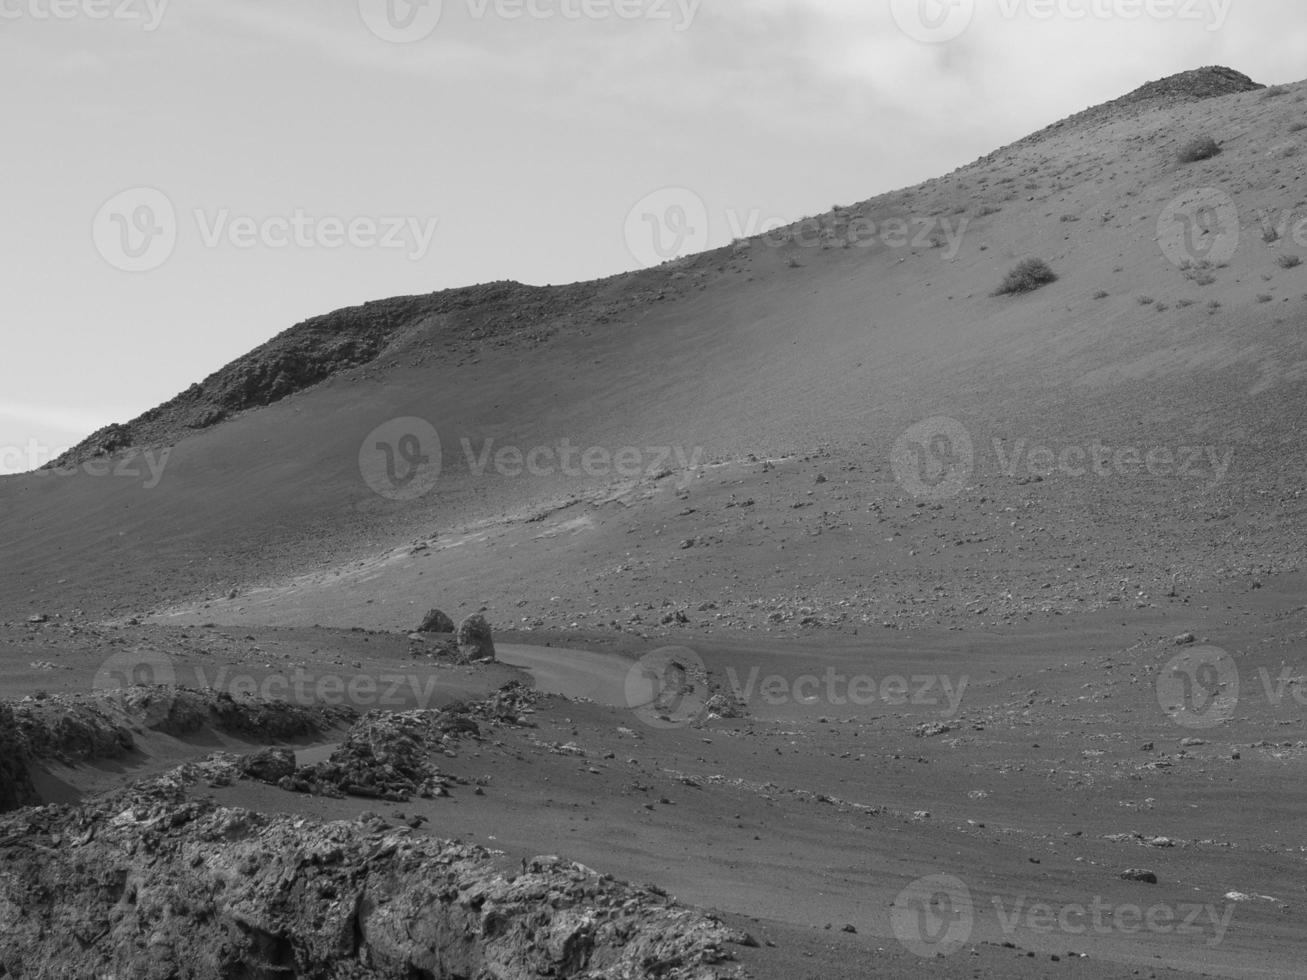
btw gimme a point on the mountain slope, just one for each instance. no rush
(822, 343)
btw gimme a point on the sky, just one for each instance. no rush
(184, 179)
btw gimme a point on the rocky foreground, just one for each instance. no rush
(149, 884)
(151, 881)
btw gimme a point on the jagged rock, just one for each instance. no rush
(72, 728)
(147, 883)
(16, 787)
(474, 639)
(436, 622)
(269, 765)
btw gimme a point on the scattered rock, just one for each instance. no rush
(1139, 874)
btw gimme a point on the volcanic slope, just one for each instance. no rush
(767, 366)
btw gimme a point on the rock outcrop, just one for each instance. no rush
(149, 884)
(16, 787)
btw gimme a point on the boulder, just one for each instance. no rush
(269, 765)
(436, 622)
(474, 639)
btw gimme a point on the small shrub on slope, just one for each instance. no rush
(1202, 148)
(1026, 278)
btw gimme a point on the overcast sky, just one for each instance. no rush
(185, 179)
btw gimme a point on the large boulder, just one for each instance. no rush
(474, 639)
(436, 622)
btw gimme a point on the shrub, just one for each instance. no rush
(1202, 148)
(1265, 298)
(1289, 261)
(1146, 301)
(1102, 294)
(1275, 91)
(1026, 278)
